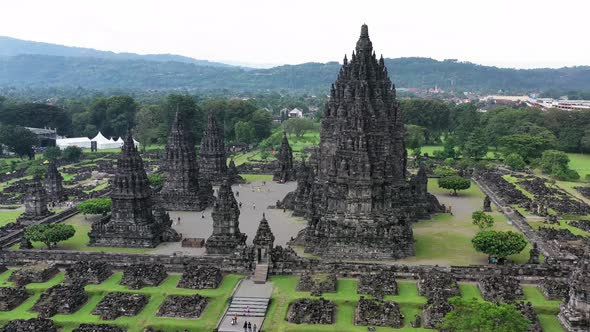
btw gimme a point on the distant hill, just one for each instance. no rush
(70, 67)
(12, 47)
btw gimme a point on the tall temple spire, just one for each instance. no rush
(131, 222)
(213, 162)
(226, 235)
(181, 190)
(285, 171)
(54, 183)
(360, 203)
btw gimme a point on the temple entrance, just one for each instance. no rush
(259, 255)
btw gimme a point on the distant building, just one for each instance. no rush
(46, 136)
(295, 113)
(562, 104)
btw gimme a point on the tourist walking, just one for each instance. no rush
(253, 206)
(249, 327)
(254, 328)
(245, 327)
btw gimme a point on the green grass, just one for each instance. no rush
(549, 323)
(540, 303)
(580, 163)
(256, 177)
(146, 318)
(470, 291)
(8, 216)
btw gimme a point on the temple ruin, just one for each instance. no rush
(226, 235)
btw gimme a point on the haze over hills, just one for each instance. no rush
(31, 64)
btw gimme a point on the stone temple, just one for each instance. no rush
(212, 162)
(574, 315)
(35, 202)
(285, 171)
(54, 184)
(132, 222)
(181, 190)
(362, 205)
(226, 235)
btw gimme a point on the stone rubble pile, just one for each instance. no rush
(115, 305)
(310, 311)
(60, 299)
(200, 277)
(178, 306)
(137, 276)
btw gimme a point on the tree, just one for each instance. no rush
(476, 146)
(18, 140)
(52, 153)
(147, 120)
(444, 171)
(415, 137)
(262, 123)
(529, 141)
(100, 205)
(454, 183)
(515, 161)
(37, 116)
(156, 180)
(297, 126)
(482, 220)
(474, 315)
(49, 234)
(499, 244)
(38, 171)
(585, 141)
(556, 164)
(245, 132)
(72, 153)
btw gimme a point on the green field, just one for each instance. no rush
(147, 317)
(580, 163)
(256, 177)
(8, 216)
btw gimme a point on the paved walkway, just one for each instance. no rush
(521, 223)
(255, 198)
(249, 303)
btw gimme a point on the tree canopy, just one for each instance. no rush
(100, 205)
(454, 183)
(49, 234)
(499, 243)
(473, 315)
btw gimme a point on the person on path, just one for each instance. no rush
(245, 327)
(254, 329)
(249, 327)
(253, 206)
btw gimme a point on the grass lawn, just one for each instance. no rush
(446, 239)
(8, 216)
(256, 177)
(580, 163)
(147, 317)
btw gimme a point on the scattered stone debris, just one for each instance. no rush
(60, 299)
(438, 284)
(39, 272)
(12, 297)
(378, 284)
(317, 284)
(179, 306)
(200, 277)
(137, 276)
(554, 289)
(99, 328)
(434, 311)
(310, 311)
(118, 304)
(31, 325)
(378, 313)
(88, 272)
(500, 289)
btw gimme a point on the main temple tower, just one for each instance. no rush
(363, 204)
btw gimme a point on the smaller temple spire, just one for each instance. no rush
(285, 171)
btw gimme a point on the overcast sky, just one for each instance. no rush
(514, 33)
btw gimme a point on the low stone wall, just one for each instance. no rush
(65, 258)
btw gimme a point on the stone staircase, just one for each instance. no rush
(247, 307)
(260, 273)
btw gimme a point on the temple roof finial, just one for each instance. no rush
(364, 31)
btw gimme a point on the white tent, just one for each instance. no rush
(104, 143)
(81, 142)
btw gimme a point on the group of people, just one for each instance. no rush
(248, 326)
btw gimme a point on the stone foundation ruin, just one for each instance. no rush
(438, 284)
(40, 272)
(378, 313)
(60, 299)
(200, 277)
(309, 311)
(99, 328)
(30, 325)
(378, 284)
(115, 305)
(88, 272)
(317, 284)
(12, 297)
(178, 306)
(137, 276)
(500, 289)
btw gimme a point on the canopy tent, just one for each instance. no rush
(81, 142)
(104, 143)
